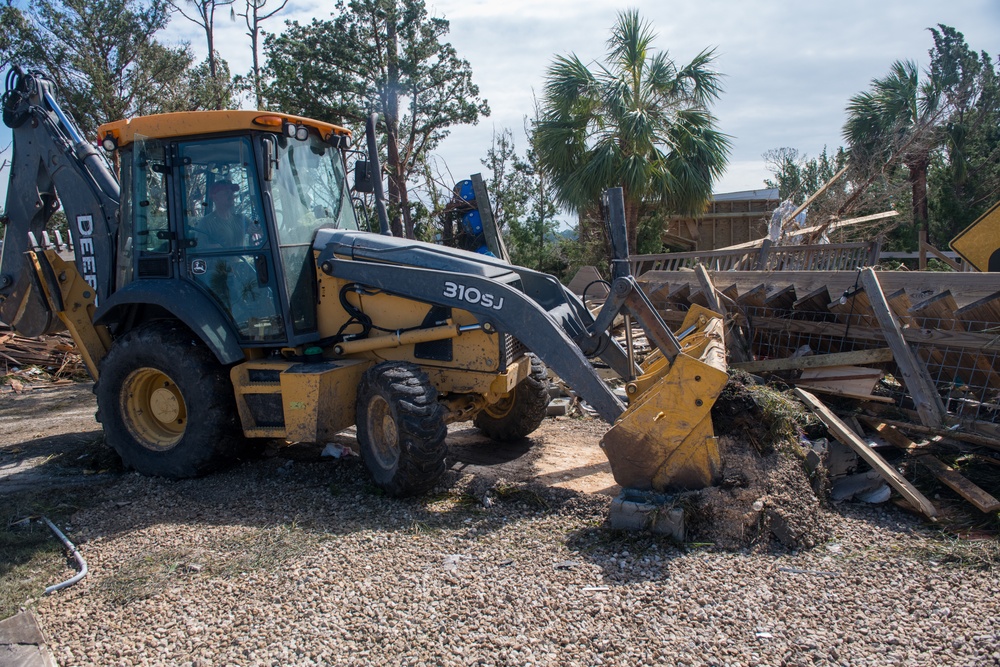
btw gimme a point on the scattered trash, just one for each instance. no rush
(337, 450)
(566, 565)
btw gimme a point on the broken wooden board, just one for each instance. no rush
(780, 299)
(853, 381)
(853, 308)
(812, 306)
(912, 372)
(857, 357)
(981, 314)
(945, 474)
(843, 432)
(966, 287)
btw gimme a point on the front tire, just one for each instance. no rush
(401, 428)
(521, 412)
(166, 403)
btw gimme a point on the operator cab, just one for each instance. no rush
(234, 212)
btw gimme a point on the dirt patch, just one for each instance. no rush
(760, 497)
(49, 439)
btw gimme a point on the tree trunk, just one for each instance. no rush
(254, 38)
(397, 178)
(631, 222)
(918, 183)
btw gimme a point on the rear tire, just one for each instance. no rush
(521, 412)
(401, 428)
(166, 403)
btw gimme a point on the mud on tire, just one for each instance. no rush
(166, 403)
(401, 428)
(520, 413)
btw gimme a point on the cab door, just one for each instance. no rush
(228, 253)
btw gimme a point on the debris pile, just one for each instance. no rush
(908, 364)
(45, 359)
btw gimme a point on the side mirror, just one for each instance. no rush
(363, 181)
(270, 162)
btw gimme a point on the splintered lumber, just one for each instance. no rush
(914, 374)
(812, 306)
(858, 357)
(781, 298)
(985, 311)
(708, 287)
(848, 381)
(971, 438)
(738, 349)
(787, 221)
(937, 312)
(899, 303)
(844, 434)
(817, 230)
(947, 475)
(853, 308)
(753, 298)
(965, 287)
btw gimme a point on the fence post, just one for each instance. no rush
(874, 249)
(765, 246)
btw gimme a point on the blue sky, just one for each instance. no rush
(789, 66)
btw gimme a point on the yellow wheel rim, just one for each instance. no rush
(383, 433)
(154, 409)
(501, 408)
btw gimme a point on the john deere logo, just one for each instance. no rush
(199, 266)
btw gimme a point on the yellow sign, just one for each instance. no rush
(979, 243)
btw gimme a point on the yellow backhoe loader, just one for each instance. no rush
(224, 286)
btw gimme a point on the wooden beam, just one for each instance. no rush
(976, 341)
(945, 474)
(804, 205)
(844, 434)
(856, 358)
(737, 347)
(913, 372)
(833, 226)
(966, 287)
(708, 287)
(970, 438)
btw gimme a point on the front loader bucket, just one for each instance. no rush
(664, 441)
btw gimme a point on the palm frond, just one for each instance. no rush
(630, 41)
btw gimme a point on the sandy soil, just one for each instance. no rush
(48, 436)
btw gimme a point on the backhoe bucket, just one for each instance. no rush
(664, 441)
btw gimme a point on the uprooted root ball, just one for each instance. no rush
(761, 496)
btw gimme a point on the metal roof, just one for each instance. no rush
(767, 194)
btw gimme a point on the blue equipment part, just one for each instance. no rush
(473, 223)
(465, 190)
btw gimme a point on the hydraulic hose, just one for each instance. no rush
(73, 552)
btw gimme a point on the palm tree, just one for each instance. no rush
(639, 122)
(897, 120)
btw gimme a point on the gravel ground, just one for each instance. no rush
(303, 563)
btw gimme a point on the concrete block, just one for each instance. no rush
(558, 407)
(645, 511)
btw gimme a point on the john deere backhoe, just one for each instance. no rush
(222, 290)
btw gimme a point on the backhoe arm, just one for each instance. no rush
(52, 163)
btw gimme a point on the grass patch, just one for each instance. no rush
(260, 549)
(31, 556)
(761, 414)
(981, 554)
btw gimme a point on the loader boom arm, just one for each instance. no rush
(52, 164)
